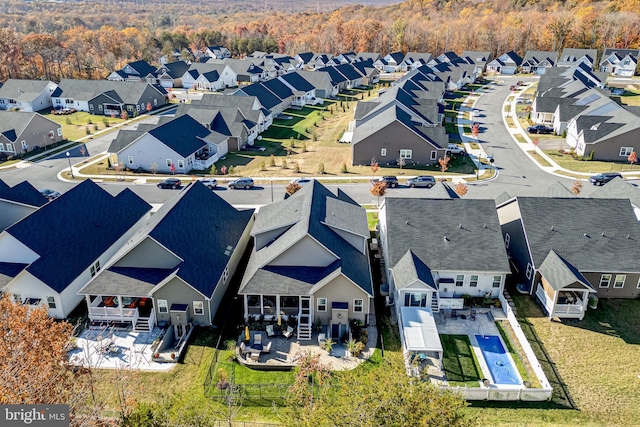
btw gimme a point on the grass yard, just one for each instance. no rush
(520, 138)
(631, 96)
(74, 126)
(372, 220)
(592, 365)
(590, 166)
(459, 361)
(539, 158)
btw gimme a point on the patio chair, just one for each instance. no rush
(288, 332)
(267, 348)
(472, 316)
(270, 331)
(244, 349)
(257, 339)
(454, 314)
(255, 355)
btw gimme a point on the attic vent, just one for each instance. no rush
(407, 222)
(603, 235)
(485, 225)
(552, 229)
(446, 239)
(629, 236)
(228, 251)
(460, 226)
(587, 236)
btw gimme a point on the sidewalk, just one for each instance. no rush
(474, 153)
(529, 147)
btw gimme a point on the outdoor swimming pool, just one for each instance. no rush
(501, 367)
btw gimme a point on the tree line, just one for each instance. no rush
(44, 43)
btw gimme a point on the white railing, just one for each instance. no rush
(203, 164)
(502, 394)
(114, 313)
(526, 347)
(568, 309)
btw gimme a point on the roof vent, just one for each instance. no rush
(603, 235)
(446, 239)
(552, 229)
(460, 226)
(587, 236)
(629, 236)
(485, 225)
(407, 222)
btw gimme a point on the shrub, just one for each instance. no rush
(88, 131)
(343, 168)
(106, 122)
(213, 170)
(591, 154)
(564, 133)
(284, 164)
(95, 127)
(321, 168)
(68, 121)
(304, 147)
(232, 169)
(296, 168)
(89, 121)
(272, 160)
(263, 165)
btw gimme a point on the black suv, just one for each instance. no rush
(539, 129)
(603, 178)
(391, 181)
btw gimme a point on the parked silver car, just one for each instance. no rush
(245, 183)
(422, 181)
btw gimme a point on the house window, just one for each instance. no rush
(198, 308)
(91, 107)
(130, 107)
(52, 302)
(474, 281)
(1, 146)
(619, 282)
(638, 285)
(434, 155)
(358, 305)
(100, 107)
(181, 164)
(24, 144)
(163, 306)
(383, 152)
(507, 240)
(169, 163)
(10, 148)
(130, 158)
(322, 304)
(17, 298)
(225, 275)
(496, 281)
(605, 280)
(626, 151)
(59, 131)
(529, 271)
(406, 154)
(415, 299)
(460, 280)
(155, 101)
(268, 304)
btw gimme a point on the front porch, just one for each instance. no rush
(138, 311)
(564, 304)
(204, 158)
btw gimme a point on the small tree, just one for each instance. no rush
(296, 167)
(223, 170)
(535, 142)
(149, 107)
(577, 187)
(105, 121)
(153, 167)
(292, 187)
(461, 189)
(343, 168)
(444, 163)
(284, 164)
(401, 162)
(633, 158)
(232, 169)
(263, 165)
(374, 166)
(321, 168)
(272, 161)
(379, 189)
(292, 142)
(304, 147)
(475, 130)
(124, 115)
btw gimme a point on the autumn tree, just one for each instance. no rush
(444, 163)
(461, 189)
(475, 129)
(633, 158)
(577, 187)
(292, 187)
(374, 167)
(379, 189)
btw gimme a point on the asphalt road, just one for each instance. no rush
(518, 175)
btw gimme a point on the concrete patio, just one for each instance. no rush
(285, 352)
(111, 349)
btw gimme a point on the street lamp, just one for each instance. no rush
(69, 160)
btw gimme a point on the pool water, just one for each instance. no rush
(500, 366)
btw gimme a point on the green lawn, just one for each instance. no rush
(539, 158)
(460, 364)
(74, 126)
(590, 166)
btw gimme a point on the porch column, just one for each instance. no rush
(553, 306)
(277, 305)
(120, 306)
(246, 306)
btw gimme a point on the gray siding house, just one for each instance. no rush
(564, 251)
(176, 268)
(26, 95)
(22, 132)
(310, 262)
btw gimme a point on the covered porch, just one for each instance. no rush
(137, 310)
(294, 309)
(561, 289)
(420, 339)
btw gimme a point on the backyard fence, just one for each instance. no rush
(528, 351)
(502, 394)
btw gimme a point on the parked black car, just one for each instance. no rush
(174, 183)
(539, 129)
(603, 178)
(391, 181)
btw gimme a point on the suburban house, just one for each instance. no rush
(413, 60)
(479, 59)
(17, 202)
(507, 63)
(267, 98)
(390, 63)
(217, 52)
(170, 74)
(431, 262)
(180, 145)
(310, 262)
(248, 106)
(619, 189)
(176, 268)
(370, 75)
(365, 56)
(23, 132)
(209, 76)
(109, 97)
(319, 60)
(538, 61)
(303, 92)
(570, 57)
(620, 62)
(569, 253)
(322, 82)
(134, 72)
(303, 58)
(49, 267)
(26, 95)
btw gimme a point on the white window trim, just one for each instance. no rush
(169, 163)
(625, 151)
(471, 281)
(358, 308)
(51, 302)
(405, 153)
(615, 282)
(181, 164)
(1, 146)
(383, 152)
(163, 306)
(198, 311)
(434, 155)
(318, 305)
(59, 131)
(638, 285)
(493, 283)
(23, 144)
(529, 271)
(507, 240)
(456, 280)
(608, 282)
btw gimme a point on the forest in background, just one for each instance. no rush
(91, 39)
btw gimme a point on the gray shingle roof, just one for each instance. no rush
(561, 274)
(431, 229)
(557, 189)
(411, 269)
(617, 188)
(312, 211)
(17, 121)
(23, 90)
(123, 139)
(67, 248)
(126, 281)
(589, 233)
(86, 90)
